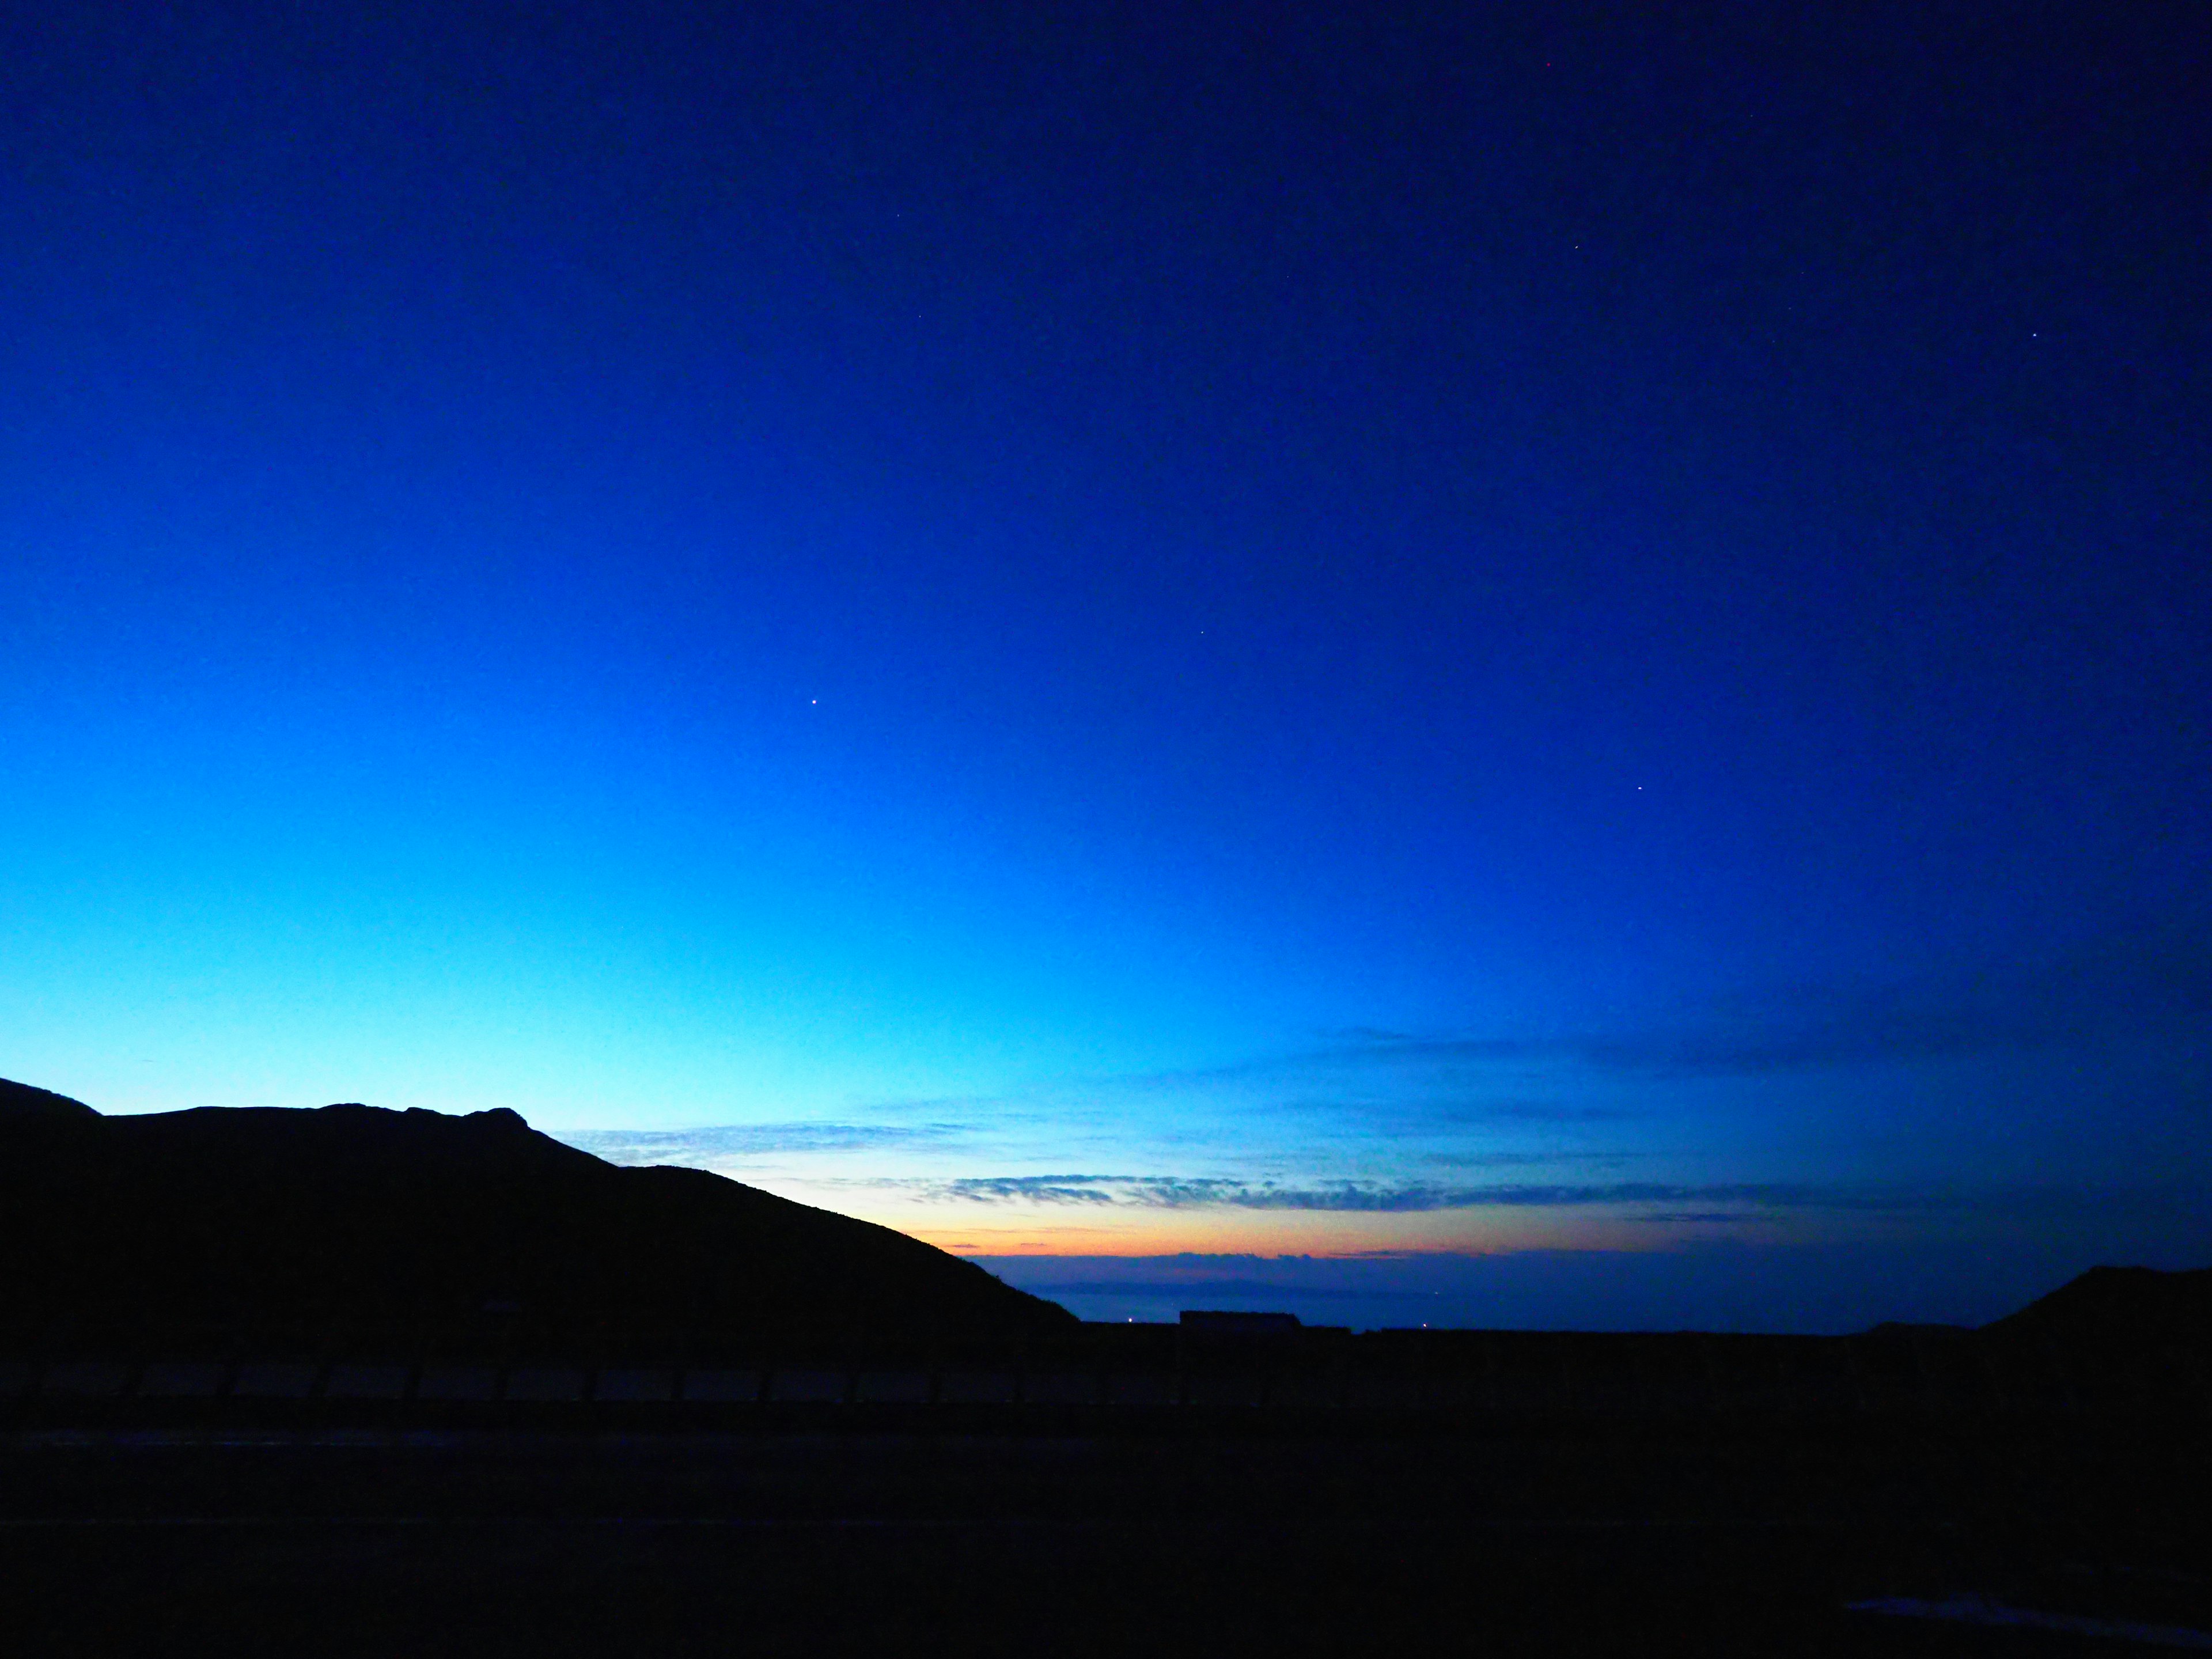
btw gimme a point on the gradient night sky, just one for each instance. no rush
(1514, 665)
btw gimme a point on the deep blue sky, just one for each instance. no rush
(1118, 631)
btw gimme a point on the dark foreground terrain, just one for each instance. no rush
(359, 1382)
(482, 1543)
(163, 1226)
(1479, 1512)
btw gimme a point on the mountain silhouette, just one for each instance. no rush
(20, 1100)
(351, 1218)
(2117, 1312)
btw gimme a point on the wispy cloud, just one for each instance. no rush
(1518, 1160)
(2140, 982)
(1476, 1111)
(2137, 983)
(1176, 1193)
(1425, 1117)
(752, 1140)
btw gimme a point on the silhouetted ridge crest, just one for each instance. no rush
(2118, 1311)
(21, 1099)
(354, 1217)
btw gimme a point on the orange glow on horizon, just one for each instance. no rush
(1308, 1233)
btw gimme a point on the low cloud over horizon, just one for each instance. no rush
(1813, 1122)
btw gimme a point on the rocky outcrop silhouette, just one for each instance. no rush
(351, 1220)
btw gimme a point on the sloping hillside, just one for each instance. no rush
(351, 1218)
(2119, 1312)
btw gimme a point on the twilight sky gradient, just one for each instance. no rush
(1522, 664)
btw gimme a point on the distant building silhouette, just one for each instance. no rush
(1195, 1319)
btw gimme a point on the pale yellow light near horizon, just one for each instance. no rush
(1136, 1231)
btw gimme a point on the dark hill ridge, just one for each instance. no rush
(2117, 1307)
(2107, 1317)
(351, 1220)
(19, 1100)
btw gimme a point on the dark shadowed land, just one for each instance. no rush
(350, 1381)
(353, 1223)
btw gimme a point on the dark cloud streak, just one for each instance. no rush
(751, 1140)
(2137, 983)
(1167, 1192)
